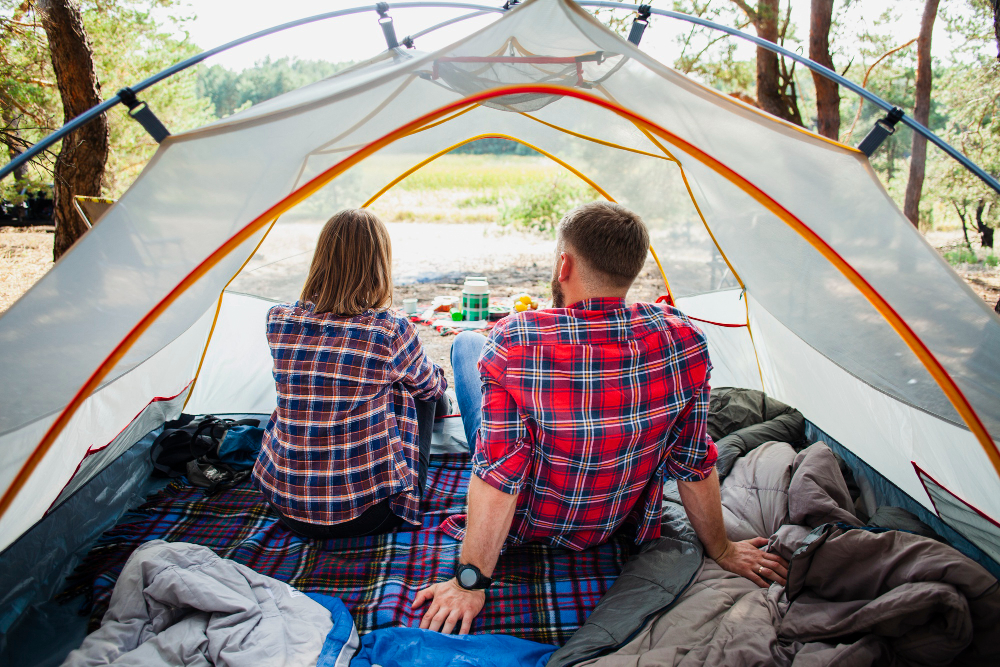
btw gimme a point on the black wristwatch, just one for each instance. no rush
(470, 578)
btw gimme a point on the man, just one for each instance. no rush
(584, 409)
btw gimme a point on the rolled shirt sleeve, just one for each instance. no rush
(504, 450)
(691, 454)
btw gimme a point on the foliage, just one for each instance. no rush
(150, 47)
(481, 173)
(129, 44)
(28, 94)
(231, 91)
(487, 198)
(542, 205)
(970, 90)
(494, 147)
(961, 256)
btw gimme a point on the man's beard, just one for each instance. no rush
(558, 298)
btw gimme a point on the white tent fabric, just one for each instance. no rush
(128, 311)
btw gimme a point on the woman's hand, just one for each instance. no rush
(747, 560)
(450, 603)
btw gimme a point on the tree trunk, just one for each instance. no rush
(772, 81)
(768, 95)
(965, 227)
(80, 165)
(827, 91)
(985, 231)
(921, 114)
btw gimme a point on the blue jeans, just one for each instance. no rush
(465, 353)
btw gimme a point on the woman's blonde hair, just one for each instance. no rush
(352, 268)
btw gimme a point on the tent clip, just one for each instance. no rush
(510, 4)
(884, 128)
(388, 30)
(640, 24)
(143, 114)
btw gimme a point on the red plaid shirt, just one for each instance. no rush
(344, 434)
(585, 409)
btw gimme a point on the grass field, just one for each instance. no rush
(510, 189)
(481, 173)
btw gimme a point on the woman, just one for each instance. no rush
(345, 453)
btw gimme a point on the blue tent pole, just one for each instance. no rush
(819, 69)
(92, 113)
(814, 66)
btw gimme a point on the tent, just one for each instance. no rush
(805, 276)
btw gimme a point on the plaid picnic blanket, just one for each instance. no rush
(541, 593)
(446, 327)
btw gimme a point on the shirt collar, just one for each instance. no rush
(599, 303)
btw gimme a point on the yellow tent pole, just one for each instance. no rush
(663, 273)
(218, 308)
(937, 371)
(427, 161)
(602, 142)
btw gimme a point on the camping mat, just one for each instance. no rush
(541, 593)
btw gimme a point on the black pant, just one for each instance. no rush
(378, 518)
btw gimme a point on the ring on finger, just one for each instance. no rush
(760, 569)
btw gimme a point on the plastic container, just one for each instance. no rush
(476, 298)
(410, 306)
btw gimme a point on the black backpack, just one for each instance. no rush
(189, 447)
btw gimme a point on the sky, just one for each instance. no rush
(358, 37)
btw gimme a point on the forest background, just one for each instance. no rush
(132, 39)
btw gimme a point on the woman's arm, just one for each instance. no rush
(422, 377)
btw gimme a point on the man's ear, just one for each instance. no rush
(566, 266)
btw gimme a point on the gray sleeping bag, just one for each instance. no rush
(181, 604)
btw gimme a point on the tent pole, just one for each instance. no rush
(104, 106)
(771, 46)
(819, 69)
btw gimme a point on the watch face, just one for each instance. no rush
(467, 577)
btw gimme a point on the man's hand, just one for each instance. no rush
(450, 603)
(747, 560)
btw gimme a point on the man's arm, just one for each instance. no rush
(489, 517)
(692, 463)
(703, 504)
(503, 453)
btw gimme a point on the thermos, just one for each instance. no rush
(476, 298)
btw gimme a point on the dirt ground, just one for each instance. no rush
(984, 280)
(25, 256)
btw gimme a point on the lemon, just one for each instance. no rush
(525, 299)
(521, 306)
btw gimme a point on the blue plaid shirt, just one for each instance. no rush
(344, 434)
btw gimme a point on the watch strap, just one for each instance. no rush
(462, 576)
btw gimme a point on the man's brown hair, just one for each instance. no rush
(352, 268)
(609, 238)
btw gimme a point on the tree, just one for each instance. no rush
(230, 91)
(921, 113)
(26, 92)
(776, 91)
(995, 6)
(827, 91)
(969, 88)
(80, 165)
